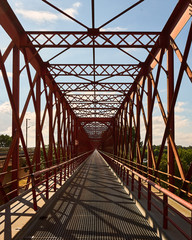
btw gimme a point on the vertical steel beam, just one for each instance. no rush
(64, 132)
(38, 124)
(170, 92)
(115, 136)
(121, 134)
(149, 101)
(68, 135)
(58, 131)
(118, 133)
(138, 127)
(50, 106)
(15, 154)
(125, 133)
(130, 131)
(71, 135)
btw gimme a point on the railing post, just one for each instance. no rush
(139, 188)
(73, 166)
(165, 211)
(127, 177)
(149, 197)
(68, 170)
(34, 192)
(65, 172)
(123, 174)
(121, 171)
(55, 179)
(132, 182)
(47, 185)
(60, 182)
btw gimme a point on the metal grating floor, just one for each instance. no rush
(96, 207)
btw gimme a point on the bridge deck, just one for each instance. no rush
(94, 206)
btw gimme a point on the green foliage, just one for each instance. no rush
(5, 140)
(185, 154)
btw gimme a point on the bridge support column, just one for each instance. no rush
(170, 93)
(68, 134)
(50, 106)
(138, 127)
(38, 123)
(130, 131)
(115, 137)
(58, 131)
(149, 100)
(64, 131)
(15, 154)
(125, 133)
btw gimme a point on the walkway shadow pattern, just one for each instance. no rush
(96, 207)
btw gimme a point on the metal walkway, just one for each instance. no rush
(94, 206)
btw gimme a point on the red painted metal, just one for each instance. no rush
(170, 92)
(149, 154)
(91, 70)
(38, 123)
(103, 106)
(86, 40)
(164, 210)
(16, 89)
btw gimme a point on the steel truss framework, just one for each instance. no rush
(91, 38)
(95, 110)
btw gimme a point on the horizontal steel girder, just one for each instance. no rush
(94, 99)
(105, 87)
(93, 119)
(94, 70)
(88, 40)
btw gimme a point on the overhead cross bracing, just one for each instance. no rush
(92, 83)
(95, 96)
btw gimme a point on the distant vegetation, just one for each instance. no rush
(185, 154)
(5, 140)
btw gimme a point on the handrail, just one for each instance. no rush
(38, 173)
(69, 167)
(127, 161)
(161, 189)
(122, 169)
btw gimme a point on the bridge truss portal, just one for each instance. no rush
(106, 105)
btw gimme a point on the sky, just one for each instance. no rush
(150, 15)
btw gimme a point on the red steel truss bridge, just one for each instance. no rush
(97, 117)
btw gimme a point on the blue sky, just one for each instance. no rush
(150, 15)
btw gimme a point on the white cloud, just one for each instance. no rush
(6, 124)
(9, 74)
(180, 107)
(77, 5)
(183, 130)
(18, 4)
(181, 122)
(46, 16)
(114, 29)
(38, 16)
(5, 108)
(5, 119)
(70, 11)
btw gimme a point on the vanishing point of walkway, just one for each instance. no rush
(94, 206)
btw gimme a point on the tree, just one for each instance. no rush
(5, 140)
